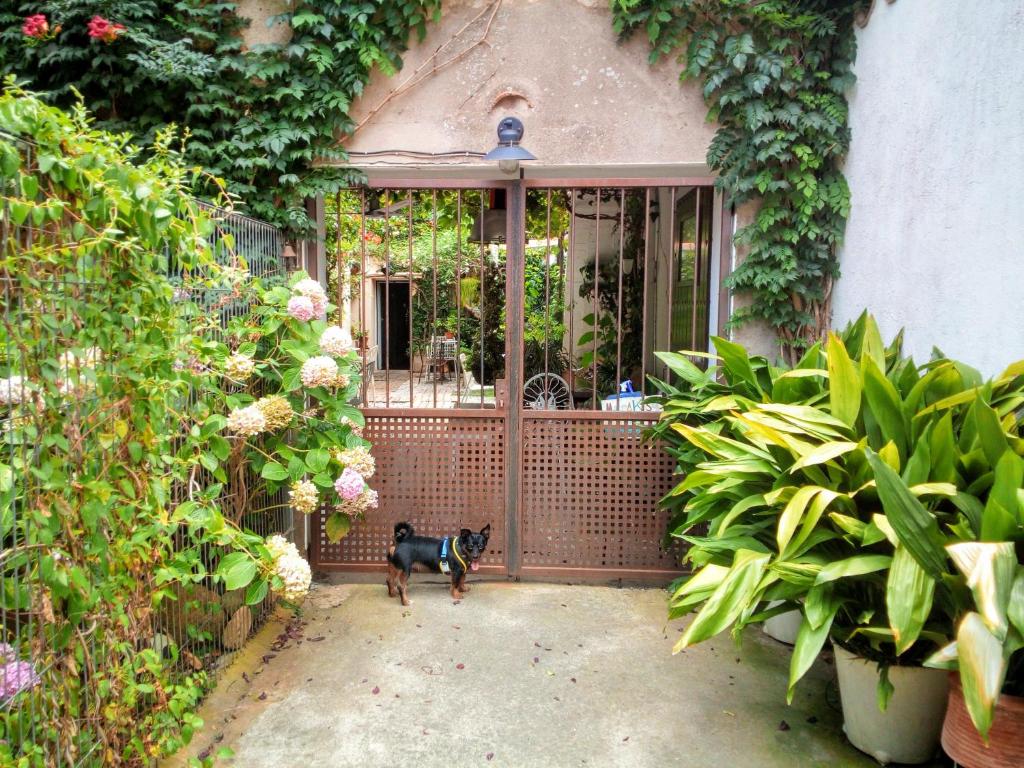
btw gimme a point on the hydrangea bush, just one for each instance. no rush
(274, 408)
(136, 427)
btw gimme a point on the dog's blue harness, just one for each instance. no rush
(443, 561)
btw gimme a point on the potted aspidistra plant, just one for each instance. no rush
(787, 474)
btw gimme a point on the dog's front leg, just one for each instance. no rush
(455, 589)
(403, 586)
(462, 583)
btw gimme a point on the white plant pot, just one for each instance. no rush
(783, 627)
(908, 730)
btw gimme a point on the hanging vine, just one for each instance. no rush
(774, 77)
(267, 119)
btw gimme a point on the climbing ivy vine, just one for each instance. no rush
(774, 77)
(267, 119)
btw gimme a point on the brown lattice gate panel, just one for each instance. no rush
(590, 491)
(439, 470)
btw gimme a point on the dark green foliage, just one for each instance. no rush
(774, 76)
(260, 118)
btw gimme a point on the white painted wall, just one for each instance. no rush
(935, 241)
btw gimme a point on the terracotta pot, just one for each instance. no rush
(962, 742)
(908, 730)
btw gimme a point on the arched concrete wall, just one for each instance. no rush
(935, 241)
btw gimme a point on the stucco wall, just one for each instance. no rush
(935, 241)
(555, 64)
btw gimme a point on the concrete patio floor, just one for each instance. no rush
(514, 675)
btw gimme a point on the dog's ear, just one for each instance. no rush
(486, 531)
(465, 533)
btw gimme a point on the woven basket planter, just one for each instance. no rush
(962, 742)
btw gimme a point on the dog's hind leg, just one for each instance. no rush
(403, 586)
(392, 577)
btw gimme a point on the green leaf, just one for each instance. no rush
(237, 569)
(291, 379)
(1015, 606)
(337, 526)
(990, 568)
(989, 431)
(728, 601)
(809, 642)
(317, 460)
(274, 471)
(982, 670)
(256, 592)
(886, 406)
(844, 382)
(999, 521)
(915, 526)
(823, 453)
(736, 362)
(684, 368)
(858, 565)
(908, 598)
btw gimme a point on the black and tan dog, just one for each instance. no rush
(452, 555)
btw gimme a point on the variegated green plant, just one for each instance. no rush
(989, 640)
(834, 487)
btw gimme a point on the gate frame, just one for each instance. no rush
(512, 408)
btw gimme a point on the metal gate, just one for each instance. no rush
(517, 311)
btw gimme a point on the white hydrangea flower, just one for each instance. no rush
(359, 458)
(290, 567)
(304, 497)
(356, 428)
(239, 367)
(14, 390)
(365, 501)
(247, 421)
(313, 291)
(341, 380)
(319, 371)
(336, 341)
(87, 358)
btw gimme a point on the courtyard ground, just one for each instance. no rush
(514, 675)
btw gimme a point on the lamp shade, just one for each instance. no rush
(510, 133)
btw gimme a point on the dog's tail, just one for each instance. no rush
(402, 532)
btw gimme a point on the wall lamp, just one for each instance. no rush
(508, 153)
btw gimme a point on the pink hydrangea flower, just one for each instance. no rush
(301, 308)
(350, 485)
(16, 676)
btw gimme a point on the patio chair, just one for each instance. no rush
(439, 352)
